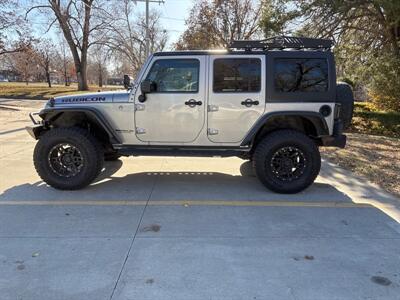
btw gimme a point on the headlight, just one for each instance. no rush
(51, 102)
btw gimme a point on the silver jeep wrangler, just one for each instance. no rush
(272, 101)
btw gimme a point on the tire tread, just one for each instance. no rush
(281, 136)
(74, 132)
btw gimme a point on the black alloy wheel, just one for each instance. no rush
(68, 158)
(65, 160)
(286, 161)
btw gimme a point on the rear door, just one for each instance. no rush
(237, 92)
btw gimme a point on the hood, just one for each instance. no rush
(100, 97)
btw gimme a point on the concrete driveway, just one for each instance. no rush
(192, 228)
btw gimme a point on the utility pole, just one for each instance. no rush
(147, 22)
(147, 30)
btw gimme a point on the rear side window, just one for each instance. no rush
(175, 75)
(300, 75)
(237, 75)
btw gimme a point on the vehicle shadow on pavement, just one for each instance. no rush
(176, 185)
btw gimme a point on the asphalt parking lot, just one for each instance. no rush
(191, 228)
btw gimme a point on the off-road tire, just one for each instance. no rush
(283, 139)
(344, 96)
(90, 150)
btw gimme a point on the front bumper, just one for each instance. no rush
(35, 130)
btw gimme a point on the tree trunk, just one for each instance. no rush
(80, 62)
(48, 79)
(47, 71)
(100, 76)
(81, 73)
(82, 81)
(65, 73)
(100, 79)
(395, 45)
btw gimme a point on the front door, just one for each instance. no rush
(175, 111)
(237, 92)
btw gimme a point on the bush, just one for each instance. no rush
(384, 87)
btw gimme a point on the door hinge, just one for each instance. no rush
(212, 131)
(213, 108)
(140, 130)
(139, 107)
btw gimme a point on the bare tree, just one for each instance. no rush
(214, 24)
(100, 56)
(66, 68)
(128, 33)
(44, 55)
(82, 23)
(25, 64)
(11, 24)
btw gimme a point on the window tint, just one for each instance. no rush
(237, 75)
(301, 75)
(175, 75)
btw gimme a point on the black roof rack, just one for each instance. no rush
(282, 42)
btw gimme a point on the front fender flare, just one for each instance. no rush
(48, 113)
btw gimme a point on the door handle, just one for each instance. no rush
(193, 103)
(249, 102)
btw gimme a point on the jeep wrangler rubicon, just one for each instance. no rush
(273, 101)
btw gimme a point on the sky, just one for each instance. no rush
(173, 14)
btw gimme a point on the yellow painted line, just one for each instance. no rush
(188, 203)
(72, 202)
(257, 203)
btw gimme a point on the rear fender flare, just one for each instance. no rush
(315, 118)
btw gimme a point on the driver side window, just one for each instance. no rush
(175, 75)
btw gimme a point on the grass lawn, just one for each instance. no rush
(373, 147)
(39, 91)
(368, 120)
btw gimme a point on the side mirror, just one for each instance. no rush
(127, 81)
(147, 87)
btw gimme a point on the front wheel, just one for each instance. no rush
(68, 158)
(287, 161)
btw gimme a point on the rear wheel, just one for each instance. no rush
(286, 161)
(68, 158)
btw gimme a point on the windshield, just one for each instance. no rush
(140, 74)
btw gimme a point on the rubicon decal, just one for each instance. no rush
(83, 99)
